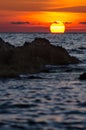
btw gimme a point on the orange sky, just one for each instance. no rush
(37, 15)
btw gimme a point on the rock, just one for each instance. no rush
(50, 54)
(8, 73)
(31, 57)
(6, 52)
(83, 76)
(34, 77)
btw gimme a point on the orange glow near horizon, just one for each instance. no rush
(31, 16)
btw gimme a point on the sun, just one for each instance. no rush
(57, 27)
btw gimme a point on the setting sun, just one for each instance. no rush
(57, 27)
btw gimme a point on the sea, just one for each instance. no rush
(55, 100)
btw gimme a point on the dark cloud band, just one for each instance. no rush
(20, 22)
(74, 9)
(82, 23)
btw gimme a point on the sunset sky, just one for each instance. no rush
(37, 15)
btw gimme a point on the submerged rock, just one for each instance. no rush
(31, 57)
(83, 76)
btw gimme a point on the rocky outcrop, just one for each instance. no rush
(6, 51)
(31, 57)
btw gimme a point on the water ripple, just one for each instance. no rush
(56, 101)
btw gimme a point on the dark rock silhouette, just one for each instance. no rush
(31, 57)
(83, 76)
(6, 50)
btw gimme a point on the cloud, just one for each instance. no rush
(43, 5)
(67, 22)
(74, 9)
(24, 5)
(82, 23)
(20, 22)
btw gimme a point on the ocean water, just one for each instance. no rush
(51, 101)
